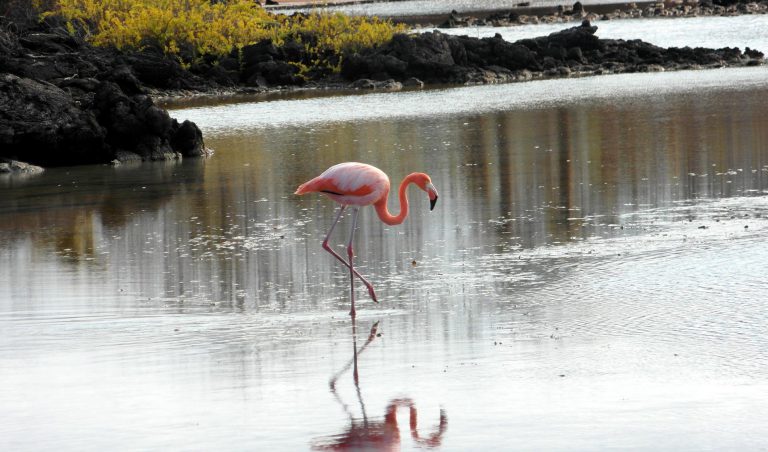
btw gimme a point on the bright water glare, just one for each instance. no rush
(433, 7)
(592, 277)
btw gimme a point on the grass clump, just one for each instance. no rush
(190, 29)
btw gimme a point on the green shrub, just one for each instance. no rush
(189, 29)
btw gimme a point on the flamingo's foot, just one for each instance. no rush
(372, 294)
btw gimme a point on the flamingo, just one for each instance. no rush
(358, 184)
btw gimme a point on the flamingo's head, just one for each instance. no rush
(425, 183)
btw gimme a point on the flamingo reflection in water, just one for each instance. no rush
(379, 434)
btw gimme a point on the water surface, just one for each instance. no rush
(432, 7)
(711, 32)
(593, 276)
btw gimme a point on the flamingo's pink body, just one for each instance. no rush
(358, 184)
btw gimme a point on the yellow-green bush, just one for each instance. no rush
(200, 27)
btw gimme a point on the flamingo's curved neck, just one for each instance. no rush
(381, 205)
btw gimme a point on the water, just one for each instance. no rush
(595, 267)
(432, 7)
(712, 32)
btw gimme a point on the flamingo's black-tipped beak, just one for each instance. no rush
(432, 192)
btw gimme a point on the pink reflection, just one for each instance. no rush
(375, 434)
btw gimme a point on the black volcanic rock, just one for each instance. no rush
(63, 102)
(440, 58)
(265, 64)
(187, 139)
(42, 124)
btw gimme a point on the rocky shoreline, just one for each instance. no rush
(64, 102)
(436, 57)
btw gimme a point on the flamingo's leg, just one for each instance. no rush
(341, 259)
(351, 254)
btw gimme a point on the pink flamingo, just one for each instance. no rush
(357, 184)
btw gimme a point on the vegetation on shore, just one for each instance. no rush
(193, 29)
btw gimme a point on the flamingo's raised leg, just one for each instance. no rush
(328, 248)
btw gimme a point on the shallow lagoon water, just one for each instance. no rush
(593, 276)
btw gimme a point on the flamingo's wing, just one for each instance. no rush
(321, 184)
(347, 179)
